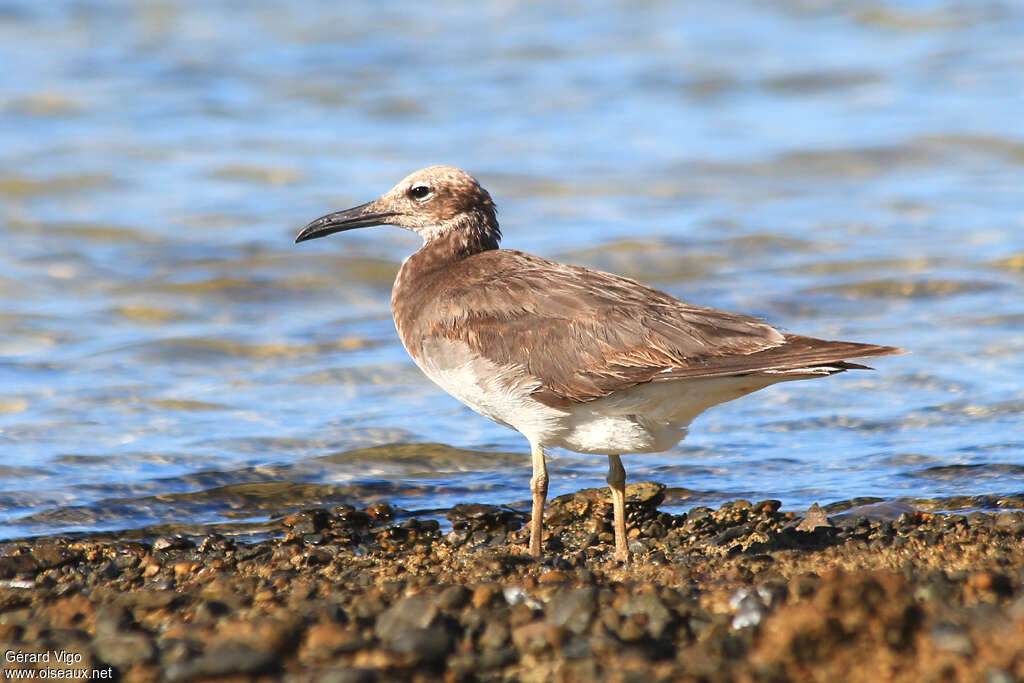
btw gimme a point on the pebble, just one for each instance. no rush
(814, 519)
(453, 597)
(733, 593)
(123, 650)
(655, 616)
(327, 637)
(536, 637)
(414, 612)
(573, 610)
(485, 594)
(428, 645)
(553, 576)
(224, 660)
(954, 638)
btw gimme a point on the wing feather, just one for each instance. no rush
(584, 334)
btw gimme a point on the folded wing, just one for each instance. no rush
(584, 334)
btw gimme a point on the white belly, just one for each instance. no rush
(648, 418)
(643, 419)
(499, 393)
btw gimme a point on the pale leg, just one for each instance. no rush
(539, 488)
(617, 482)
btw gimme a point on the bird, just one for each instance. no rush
(568, 356)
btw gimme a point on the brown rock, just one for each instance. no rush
(326, 638)
(553, 576)
(415, 611)
(495, 636)
(485, 593)
(182, 569)
(573, 609)
(272, 633)
(124, 650)
(537, 637)
(223, 660)
(453, 597)
(814, 518)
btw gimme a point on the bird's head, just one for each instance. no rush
(432, 202)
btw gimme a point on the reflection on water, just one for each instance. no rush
(167, 355)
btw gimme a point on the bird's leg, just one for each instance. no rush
(617, 482)
(539, 487)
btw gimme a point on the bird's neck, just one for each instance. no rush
(464, 235)
(425, 271)
(467, 234)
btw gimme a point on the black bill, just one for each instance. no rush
(362, 216)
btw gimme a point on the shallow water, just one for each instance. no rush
(846, 170)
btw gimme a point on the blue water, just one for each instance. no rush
(846, 170)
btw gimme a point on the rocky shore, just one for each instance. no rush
(853, 593)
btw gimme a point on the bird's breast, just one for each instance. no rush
(500, 393)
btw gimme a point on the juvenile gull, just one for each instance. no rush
(567, 356)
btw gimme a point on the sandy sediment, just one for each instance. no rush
(744, 592)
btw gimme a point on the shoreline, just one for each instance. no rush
(741, 592)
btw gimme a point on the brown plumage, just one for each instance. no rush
(563, 353)
(585, 334)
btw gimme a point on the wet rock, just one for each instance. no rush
(224, 660)
(537, 636)
(476, 517)
(730, 535)
(380, 512)
(124, 650)
(573, 610)
(172, 543)
(1012, 523)
(388, 603)
(108, 571)
(495, 635)
(978, 518)
(37, 559)
(880, 511)
(428, 645)
(416, 611)
(453, 597)
(655, 616)
(216, 542)
(646, 494)
(307, 522)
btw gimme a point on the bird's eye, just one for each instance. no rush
(421, 193)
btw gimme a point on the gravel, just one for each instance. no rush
(862, 591)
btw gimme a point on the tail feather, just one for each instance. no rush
(799, 355)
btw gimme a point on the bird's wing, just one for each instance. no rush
(584, 334)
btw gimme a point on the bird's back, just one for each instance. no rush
(583, 334)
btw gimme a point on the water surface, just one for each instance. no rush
(845, 170)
